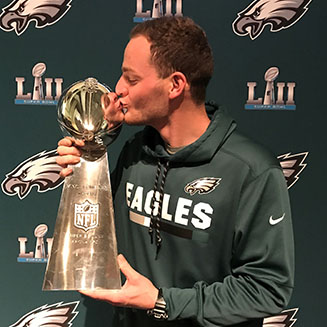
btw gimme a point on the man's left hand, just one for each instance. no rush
(137, 292)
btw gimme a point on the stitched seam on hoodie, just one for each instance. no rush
(254, 176)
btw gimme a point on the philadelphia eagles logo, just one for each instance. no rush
(41, 171)
(292, 165)
(55, 315)
(19, 13)
(279, 14)
(283, 319)
(202, 185)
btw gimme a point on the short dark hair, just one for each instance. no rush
(178, 44)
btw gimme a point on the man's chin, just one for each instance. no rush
(133, 121)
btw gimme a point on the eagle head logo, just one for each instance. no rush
(19, 13)
(279, 14)
(41, 171)
(55, 315)
(292, 165)
(202, 185)
(283, 319)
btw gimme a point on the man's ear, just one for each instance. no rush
(178, 84)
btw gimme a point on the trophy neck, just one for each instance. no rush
(92, 150)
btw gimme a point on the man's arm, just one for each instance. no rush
(261, 279)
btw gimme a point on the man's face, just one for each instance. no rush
(143, 93)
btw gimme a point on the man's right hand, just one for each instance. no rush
(69, 154)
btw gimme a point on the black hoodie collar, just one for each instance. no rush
(219, 129)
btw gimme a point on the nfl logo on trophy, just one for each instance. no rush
(86, 215)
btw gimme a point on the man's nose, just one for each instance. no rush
(121, 89)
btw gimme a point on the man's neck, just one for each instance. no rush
(185, 125)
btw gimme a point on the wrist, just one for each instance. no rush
(155, 298)
(159, 311)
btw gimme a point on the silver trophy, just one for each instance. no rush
(84, 249)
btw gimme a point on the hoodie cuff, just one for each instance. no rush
(181, 303)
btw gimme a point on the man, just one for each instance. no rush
(202, 213)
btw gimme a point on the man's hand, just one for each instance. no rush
(69, 154)
(137, 292)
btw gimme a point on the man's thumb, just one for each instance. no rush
(125, 267)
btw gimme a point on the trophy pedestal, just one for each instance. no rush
(84, 251)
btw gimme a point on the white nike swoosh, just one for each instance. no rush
(273, 221)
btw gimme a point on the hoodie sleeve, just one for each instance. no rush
(261, 279)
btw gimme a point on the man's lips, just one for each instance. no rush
(123, 107)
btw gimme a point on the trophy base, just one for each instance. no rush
(84, 250)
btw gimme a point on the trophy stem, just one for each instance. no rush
(84, 249)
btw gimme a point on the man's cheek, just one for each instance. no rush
(138, 102)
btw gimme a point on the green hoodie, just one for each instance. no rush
(226, 251)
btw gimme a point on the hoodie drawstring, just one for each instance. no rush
(154, 227)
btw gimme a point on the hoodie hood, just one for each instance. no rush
(203, 149)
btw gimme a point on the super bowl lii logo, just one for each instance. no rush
(41, 95)
(159, 8)
(42, 248)
(281, 98)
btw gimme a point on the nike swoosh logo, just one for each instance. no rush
(273, 221)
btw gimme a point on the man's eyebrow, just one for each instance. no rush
(127, 69)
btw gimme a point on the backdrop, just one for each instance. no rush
(269, 72)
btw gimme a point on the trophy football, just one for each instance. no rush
(84, 249)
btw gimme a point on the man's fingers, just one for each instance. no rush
(65, 172)
(69, 154)
(70, 141)
(67, 160)
(68, 150)
(126, 268)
